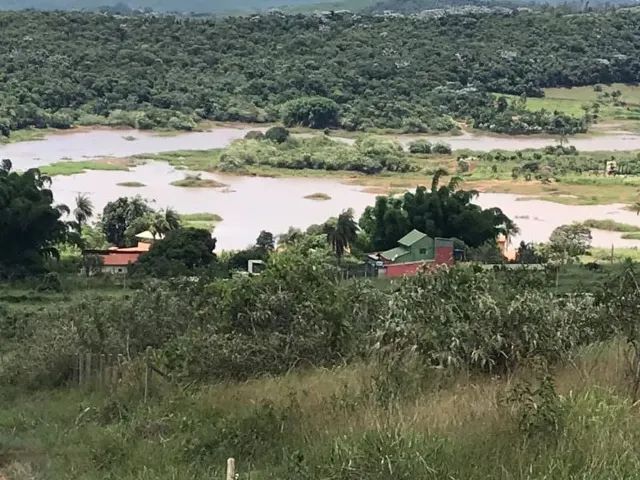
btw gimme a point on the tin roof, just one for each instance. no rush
(394, 253)
(412, 237)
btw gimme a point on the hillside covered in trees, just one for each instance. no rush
(354, 72)
(195, 6)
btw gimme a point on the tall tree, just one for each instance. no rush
(341, 233)
(119, 215)
(83, 211)
(31, 226)
(443, 211)
(266, 241)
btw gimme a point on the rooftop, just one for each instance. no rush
(412, 237)
(394, 253)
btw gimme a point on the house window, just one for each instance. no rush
(423, 251)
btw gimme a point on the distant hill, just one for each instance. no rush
(195, 6)
(416, 6)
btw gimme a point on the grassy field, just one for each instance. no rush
(74, 168)
(571, 101)
(28, 134)
(200, 220)
(330, 424)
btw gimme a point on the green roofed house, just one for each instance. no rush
(414, 250)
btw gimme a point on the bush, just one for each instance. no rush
(254, 135)
(277, 134)
(420, 146)
(441, 148)
(180, 252)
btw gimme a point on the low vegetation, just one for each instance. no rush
(196, 181)
(318, 196)
(200, 220)
(611, 225)
(77, 167)
(131, 184)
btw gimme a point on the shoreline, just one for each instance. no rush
(34, 134)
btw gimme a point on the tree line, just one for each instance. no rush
(64, 69)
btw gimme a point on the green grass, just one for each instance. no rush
(571, 100)
(74, 168)
(619, 254)
(324, 424)
(26, 135)
(202, 160)
(204, 221)
(631, 236)
(610, 225)
(131, 184)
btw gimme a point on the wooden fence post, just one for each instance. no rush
(103, 368)
(87, 368)
(80, 359)
(231, 469)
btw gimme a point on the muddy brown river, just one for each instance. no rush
(251, 204)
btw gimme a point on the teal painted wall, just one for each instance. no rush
(421, 250)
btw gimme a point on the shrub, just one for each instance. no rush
(420, 146)
(254, 135)
(277, 134)
(441, 148)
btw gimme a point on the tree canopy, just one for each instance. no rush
(31, 226)
(182, 251)
(444, 211)
(119, 215)
(414, 74)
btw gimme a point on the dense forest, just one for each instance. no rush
(194, 6)
(355, 72)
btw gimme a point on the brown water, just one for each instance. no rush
(251, 204)
(84, 145)
(90, 144)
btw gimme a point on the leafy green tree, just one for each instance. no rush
(567, 242)
(119, 215)
(31, 226)
(341, 233)
(444, 211)
(266, 241)
(181, 252)
(527, 253)
(314, 112)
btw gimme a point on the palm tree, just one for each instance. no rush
(83, 211)
(341, 233)
(164, 221)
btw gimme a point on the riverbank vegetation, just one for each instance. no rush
(557, 173)
(200, 220)
(281, 73)
(70, 167)
(196, 181)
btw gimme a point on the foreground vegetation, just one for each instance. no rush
(520, 389)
